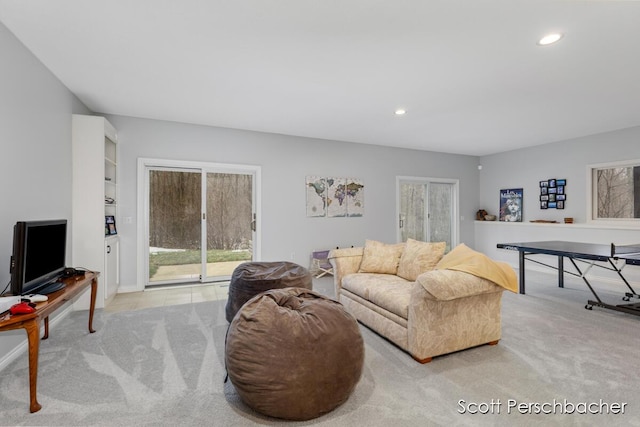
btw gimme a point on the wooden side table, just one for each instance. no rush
(31, 322)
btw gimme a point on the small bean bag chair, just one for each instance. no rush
(294, 354)
(251, 278)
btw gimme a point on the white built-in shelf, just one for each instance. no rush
(591, 225)
(95, 154)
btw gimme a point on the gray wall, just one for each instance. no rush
(35, 135)
(568, 159)
(285, 161)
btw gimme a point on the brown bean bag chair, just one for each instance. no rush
(294, 354)
(251, 278)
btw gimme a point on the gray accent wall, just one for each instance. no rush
(285, 161)
(569, 159)
(35, 165)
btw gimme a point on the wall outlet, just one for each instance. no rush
(293, 256)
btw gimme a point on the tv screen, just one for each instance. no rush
(39, 251)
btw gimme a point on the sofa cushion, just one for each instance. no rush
(380, 257)
(387, 291)
(419, 257)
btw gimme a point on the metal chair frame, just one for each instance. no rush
(320, 264)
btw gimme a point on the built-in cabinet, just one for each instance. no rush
(95, 244)
(111, 272)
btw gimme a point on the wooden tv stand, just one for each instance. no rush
(31, 322)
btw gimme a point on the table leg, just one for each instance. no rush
(560, 271)
(33, 336)
(46, 328)
(521, 262)
(94, 291)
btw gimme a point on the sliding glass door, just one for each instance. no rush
(201, 222)
(229, 223)
(175, 200)
(427, 210)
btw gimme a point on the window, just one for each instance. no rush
(615, 190)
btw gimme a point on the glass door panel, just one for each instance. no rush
(412, 211)
(427, 210)
(175, 203)
(229, 223)
(440, 213)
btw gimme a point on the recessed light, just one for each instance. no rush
(400, 112)
(549, 39)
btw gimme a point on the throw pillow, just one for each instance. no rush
(380, 257)
(419, 257)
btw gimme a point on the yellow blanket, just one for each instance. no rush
(463, 258)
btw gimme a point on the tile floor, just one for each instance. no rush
(187, 294)
(159, 297)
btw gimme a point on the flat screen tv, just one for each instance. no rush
(38, 261)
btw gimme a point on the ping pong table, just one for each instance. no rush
(588, 253)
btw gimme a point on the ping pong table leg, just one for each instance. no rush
(560, 271)
(615, 268)
(521, 259)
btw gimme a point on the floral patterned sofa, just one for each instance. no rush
(425, 302)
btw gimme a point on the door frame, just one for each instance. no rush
(455, 198)
(142, 234)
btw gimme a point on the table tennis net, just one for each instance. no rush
(621, 250)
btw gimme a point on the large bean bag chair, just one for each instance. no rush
(251, 278)
(294, 354)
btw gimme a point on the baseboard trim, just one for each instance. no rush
(128, 289)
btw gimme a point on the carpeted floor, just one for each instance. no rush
(164, 367)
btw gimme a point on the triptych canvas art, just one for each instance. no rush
(334, 197)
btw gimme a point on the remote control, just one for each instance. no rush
(35, 298)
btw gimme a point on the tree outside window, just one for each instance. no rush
(617, 192)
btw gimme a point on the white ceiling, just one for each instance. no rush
(469, 72)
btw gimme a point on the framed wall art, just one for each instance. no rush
(552, 194)
(511, 205)
(334, 197)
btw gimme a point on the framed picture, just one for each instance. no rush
(511, 205)
(552, 193)
(110, 225)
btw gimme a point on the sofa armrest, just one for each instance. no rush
(445, 285)
(344, 261)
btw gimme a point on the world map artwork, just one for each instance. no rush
(334, 197)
